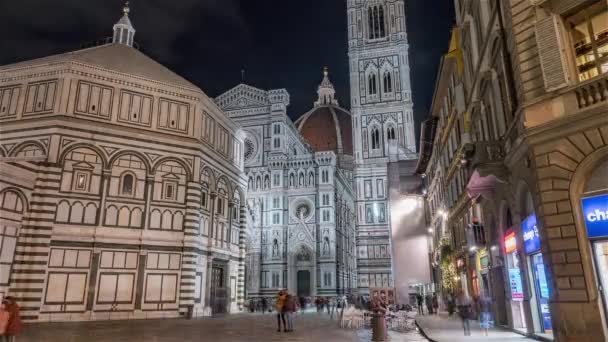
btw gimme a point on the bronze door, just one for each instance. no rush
(303, 283)
(219, 292)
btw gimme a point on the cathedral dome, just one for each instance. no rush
(327, 126)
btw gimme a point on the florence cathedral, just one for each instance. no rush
(127, 192)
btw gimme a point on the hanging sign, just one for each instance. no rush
(530, 232)
(517, 292)
(595, 210)
(510, 242)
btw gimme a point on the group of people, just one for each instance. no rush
(10, 320)
(286, 306)
(431, 301)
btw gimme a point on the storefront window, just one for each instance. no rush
(589, 28)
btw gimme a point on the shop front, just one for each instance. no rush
(513, 265)
(537, 276)
(595, 212)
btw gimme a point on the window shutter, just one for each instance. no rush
(551, 52)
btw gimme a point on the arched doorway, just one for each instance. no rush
(594, 215)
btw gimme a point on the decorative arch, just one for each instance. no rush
(139, 155)
(97, 150)
(21, 146)
(223, 180)
(182, 163)
(21, 203)
(578, 189)
(207, 175)
(239, 194)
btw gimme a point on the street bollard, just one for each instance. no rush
(378, 327)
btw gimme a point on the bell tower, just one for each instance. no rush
(383, 125)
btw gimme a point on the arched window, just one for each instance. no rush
(372, 87)
(375, 139)
(127, 185)
(390, 133)
(388, 82)
(376, 25)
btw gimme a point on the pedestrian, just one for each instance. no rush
(332, 307)
(264, 304)
(280, 307)
(485, 317)
(435, 301)
(429, 303)
(290, 310)
(419, 301)
(464, 309)
(4, 317)
(451, 304)
(13, 328)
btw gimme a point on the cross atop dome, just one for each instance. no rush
(326, 91)
(123, 29)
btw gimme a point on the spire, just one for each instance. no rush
(326, 91)
(123, 29)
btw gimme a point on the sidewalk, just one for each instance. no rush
(440, 328)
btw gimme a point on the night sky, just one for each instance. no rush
(279, 43)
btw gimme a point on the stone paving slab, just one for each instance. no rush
(229, 328)
(440, 328)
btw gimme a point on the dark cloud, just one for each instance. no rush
(280, 43)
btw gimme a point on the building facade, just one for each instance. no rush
(301, 229)
(122, 189)
(525, 168)
(383, 126)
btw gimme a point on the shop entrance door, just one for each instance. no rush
(542, 291)
(600, 250)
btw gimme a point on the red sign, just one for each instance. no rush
(510, 242)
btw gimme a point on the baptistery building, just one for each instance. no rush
(301, 229)
(122, 192)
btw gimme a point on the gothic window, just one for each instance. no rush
(127, 185)
(375, 139)
(388, 82)
(325, 176)
(372, 88)
(390, 133)
(276, 180)
(376, 25)
(220, 206)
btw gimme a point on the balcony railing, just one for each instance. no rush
(592, 92)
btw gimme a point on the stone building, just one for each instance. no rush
(525, 169)
(301, 229)
(383, 126)
(122, 191)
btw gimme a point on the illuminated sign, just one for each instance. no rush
(510, 242)
(517, 292)
(595, 210)
(530, 233)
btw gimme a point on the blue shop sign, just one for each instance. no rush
(530, 232)
(595, 210)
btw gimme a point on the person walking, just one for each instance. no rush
(428, 299)
(4, 317)
(290, 310)
(332, 307)
(435, 303)
(13, 327)
(280, 307)
(419, 301)
(485, 317)
(464, 309)
(264, 304)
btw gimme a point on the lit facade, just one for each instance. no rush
(525, 165)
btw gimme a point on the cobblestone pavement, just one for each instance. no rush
(230, 328)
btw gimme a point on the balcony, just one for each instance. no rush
(591, 92)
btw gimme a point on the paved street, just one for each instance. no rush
(443, 329)
(231, 328)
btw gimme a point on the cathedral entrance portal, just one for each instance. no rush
(303, 283)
